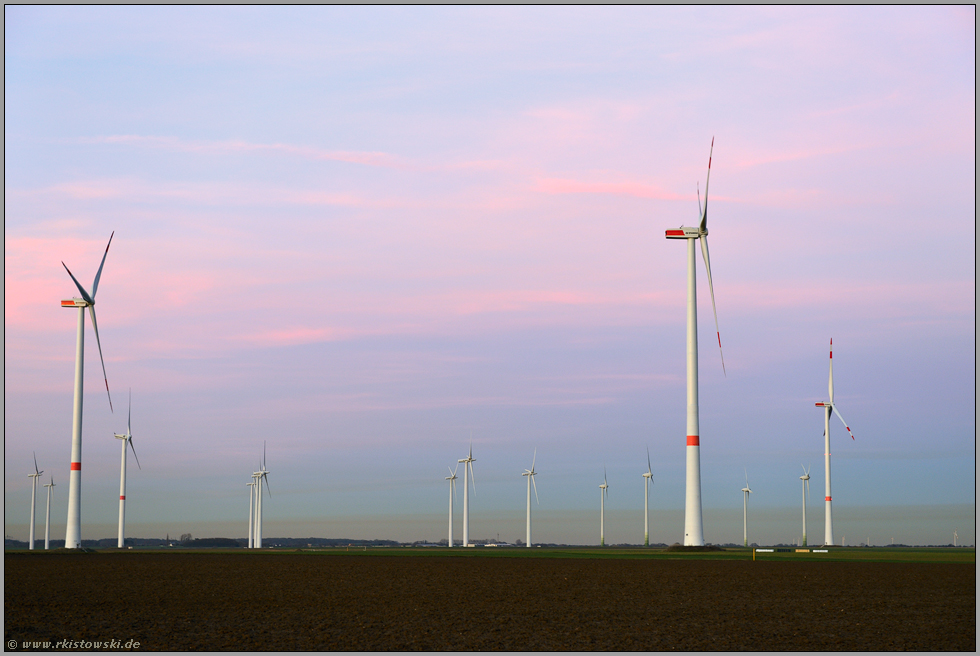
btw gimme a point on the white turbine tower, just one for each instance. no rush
(693, 524)
(34, 476)
(251, 513)
(467, 477)
(647, 480)
(47, 517)
(829, 407)
(73, 530)
(126, 439)
(745, 510)
(603, 491)
(261, 475)
(530, 473)
(806, 491)
(452, 495)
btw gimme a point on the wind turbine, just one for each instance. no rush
(603, 491)
(647, 479)
(745, 510)
(34, 476)
(126, 439)
(467, 476)
(47, 517)
(452, 495)
(73, 530)
(530, 473)
(806, 491)
(693, 524)
(261, 475)
(251, 513)
(829, 407)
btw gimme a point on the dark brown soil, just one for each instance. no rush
(275, 602)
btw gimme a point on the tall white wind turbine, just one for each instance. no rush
(126, 439)
(745, 510)
(467, 477)
(829, 408)
(647, 480)
(603, 491)
(33, 477)
(73, 530)
(47, 517)
(693, 524)
(452, 495)
(251, 513)
(806, 492)
(262, 475)
(530, 473)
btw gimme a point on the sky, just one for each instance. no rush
(368, 237)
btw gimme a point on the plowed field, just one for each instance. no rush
(271, 602)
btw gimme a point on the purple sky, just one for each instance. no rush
(371, 235)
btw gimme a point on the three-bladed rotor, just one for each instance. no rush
(831, 407)
(701, 233)
(746, 488)
(128, 437)
(530, 473)
(36, 471)
(88, 300)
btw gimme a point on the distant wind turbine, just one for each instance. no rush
(603, 491)
(530, 473)
(745, 510)
(693, 523)
(830, 408)
(127, 438)
(73, 530)
(452, 495)
(33, 477)
(467, 477)
(647, 480)
(806, 491)
(47, 517)
(260, 476)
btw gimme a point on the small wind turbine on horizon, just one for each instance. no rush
(745, 510)
(73, 529)
(647, 480)
(530, 473)
(261, 475)
(603, 491)
(452, 495)
(467, 477)
(47, 517)
(829, 408)
(806, 491)
(33, 477)
(127, 438)
(693, 521)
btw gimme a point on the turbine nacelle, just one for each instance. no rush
(685, 232)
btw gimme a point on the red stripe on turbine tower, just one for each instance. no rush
(827, 499)
(693, 440)
(122, 497)
(76, 466)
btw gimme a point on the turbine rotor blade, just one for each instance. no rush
(129, 419)
(130, 440)
(35, 465)
(535, 486)
(704, 211)
(649, 468)
(268, 489)
(472, 477)
(711, 288)
(95, 326)
(837, 412)
(534, 459)
(81, 290)
(95, 285)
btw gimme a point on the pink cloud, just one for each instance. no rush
(367, 158)
(637, 189)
